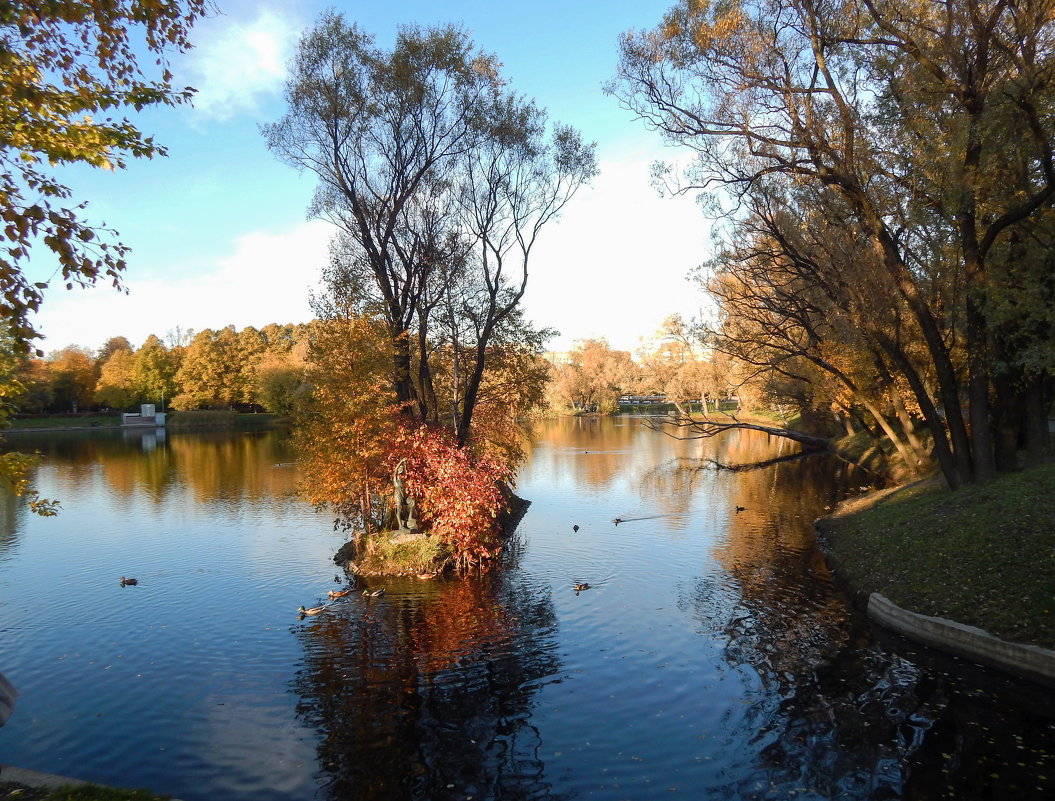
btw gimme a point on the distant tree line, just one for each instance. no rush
(250, 370)
(673, 364)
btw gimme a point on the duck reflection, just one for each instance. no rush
(427, 693)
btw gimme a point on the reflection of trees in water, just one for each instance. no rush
(607, 451)
(219, 465)
(12, 511)
(430, 696)
(851, 720)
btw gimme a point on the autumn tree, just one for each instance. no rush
(594, 376)
(66, 67)
(928, 128)
(110, 347)
(348, 422)
(208, 375)
(154, 372)
(31, 391)
(72, 379)
(116, 387)
(440, 181)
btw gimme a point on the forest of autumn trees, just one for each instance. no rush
(885, 172)
(251, 369)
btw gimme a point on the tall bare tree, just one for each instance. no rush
(440, 180)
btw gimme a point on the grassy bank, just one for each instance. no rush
(175, 421)
(51, 422)
(84, 792)
(984, 555)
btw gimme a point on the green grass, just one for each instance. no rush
(84, 792)
(381, 557)
(983, 555)
(30, 423)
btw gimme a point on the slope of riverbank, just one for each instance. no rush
(983, 556)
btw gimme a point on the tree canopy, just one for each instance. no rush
(440, 180)
(65, 67)
(886, 170)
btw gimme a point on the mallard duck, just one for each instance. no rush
(581, 585)
(339, 593)
(427, 576)
(374, 593)
(313, 611)
(128, 582)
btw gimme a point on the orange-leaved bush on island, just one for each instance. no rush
(352, 433)
(459, 494)
(347, 422)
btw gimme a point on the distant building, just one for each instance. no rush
(146, 417)
(557, 358)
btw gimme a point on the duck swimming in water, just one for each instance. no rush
(579, 586)
(339, 593)
(374, 593)
(128, 582)
(313, 611)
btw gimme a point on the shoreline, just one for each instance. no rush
(939, 632)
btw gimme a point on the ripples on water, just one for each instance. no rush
(711, 656)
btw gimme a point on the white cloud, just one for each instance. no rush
(267, 278)
(236, 66)
(617, 262)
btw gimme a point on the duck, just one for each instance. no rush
(128, 582)
(617, 520)
(741, 508)
(575, 527)
(374, 593)
(581, 585)
(339, 593)
(313, 611)
(427, 576)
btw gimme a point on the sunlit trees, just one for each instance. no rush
(210, 373)
(154, 372)
(65, 67)
(116, 387)
(72, 379)
(351, 437)
(440, 181)
(921, 130)
(594, 376)
(346, 426)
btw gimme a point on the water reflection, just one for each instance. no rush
(428, 695)
(139, 464)
(712, 656)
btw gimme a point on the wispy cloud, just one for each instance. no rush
(238, 66)
(267, 278)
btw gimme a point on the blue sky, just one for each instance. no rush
(218, 229)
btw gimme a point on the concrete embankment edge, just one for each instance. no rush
(33, 778)
(1029, 661)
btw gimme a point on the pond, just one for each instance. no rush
(711, 656)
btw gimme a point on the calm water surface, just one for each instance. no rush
(711, 657)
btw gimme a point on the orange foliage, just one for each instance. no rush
(458, 493)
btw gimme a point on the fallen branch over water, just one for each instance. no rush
(692, 428)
